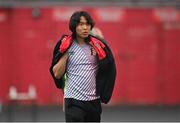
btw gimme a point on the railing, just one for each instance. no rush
(15, 97)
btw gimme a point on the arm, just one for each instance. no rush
(60, 67)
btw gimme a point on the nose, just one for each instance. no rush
(85, 26)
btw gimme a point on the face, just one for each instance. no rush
(83, 28)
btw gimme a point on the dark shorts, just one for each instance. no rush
(76, 110)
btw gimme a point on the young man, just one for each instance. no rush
(83, 66)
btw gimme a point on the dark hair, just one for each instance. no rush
(75, 19)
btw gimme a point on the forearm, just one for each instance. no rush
(60, 67)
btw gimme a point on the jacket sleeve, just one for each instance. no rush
(107, 75)
(110, 74)
(56, 56)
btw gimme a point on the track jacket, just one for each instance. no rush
(106, 74)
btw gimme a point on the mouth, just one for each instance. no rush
(85, 33)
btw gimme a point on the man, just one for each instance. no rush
(83, 66)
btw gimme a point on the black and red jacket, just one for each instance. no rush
(106, 74)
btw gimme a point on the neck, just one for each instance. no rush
(80, 41)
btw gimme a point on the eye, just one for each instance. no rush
(87, 24)
(81, 24)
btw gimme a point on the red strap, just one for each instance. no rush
(98, 46)
(95, 43)
(66, 41)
